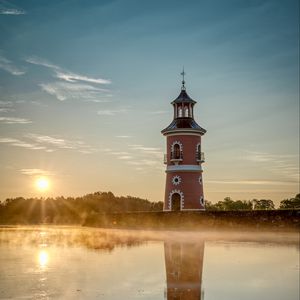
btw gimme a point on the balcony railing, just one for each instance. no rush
(200, 157)
(177, 156)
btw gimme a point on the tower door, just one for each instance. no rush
(176, 202)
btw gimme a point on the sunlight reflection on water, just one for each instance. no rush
(82, 263)
(43, 258)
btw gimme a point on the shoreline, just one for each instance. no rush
(279, 220)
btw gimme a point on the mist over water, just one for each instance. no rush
(56, 262)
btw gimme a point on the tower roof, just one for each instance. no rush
(183, 97)
(183, 114)
(180, 124)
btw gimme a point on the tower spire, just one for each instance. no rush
(183, 82)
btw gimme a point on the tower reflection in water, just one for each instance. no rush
(184, 263)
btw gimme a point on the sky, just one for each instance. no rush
(86, 86)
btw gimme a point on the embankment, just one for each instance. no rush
(196, 220)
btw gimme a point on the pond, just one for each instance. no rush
(51, 262)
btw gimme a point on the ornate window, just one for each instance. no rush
(176, 151)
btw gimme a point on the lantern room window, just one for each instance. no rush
(186, 111)
(179, 112)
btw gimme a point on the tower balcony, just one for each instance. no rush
(200, 157)
(165, 159)
(176, 156)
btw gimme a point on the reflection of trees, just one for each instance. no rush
(184, 263)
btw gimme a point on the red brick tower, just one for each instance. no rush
(184, 185)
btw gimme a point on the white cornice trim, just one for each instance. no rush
(183, 133)
(184, 168)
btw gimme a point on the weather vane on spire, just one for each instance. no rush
(183, 82)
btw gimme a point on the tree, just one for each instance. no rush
(263, 204)
(293, 203)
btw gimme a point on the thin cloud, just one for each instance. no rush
(125, 157)
(252, 182)
(158, 112)
(48, 143)
(23, 144)
(63, 90)
(61, 143)
(7, 8)
(35, 172)
(41, 62)
(123, 136)
(11, 11)
(6, 106)
(117, 153)
(266, 157)
(65, 75)
(285, 165)
(11, 120)
(71, 77)
(8, 66)
(111, 112)
(71, 85)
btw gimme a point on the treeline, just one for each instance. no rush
(262, 204)
(72, 210)
(61, 210)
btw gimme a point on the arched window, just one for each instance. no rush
(176, 151)
(179, 112)
(186, 111)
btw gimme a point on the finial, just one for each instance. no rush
(183, 82)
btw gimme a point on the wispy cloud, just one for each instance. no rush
(123, 136)
(48, 143)
(41, 62)
(285, 165)
(252, 182)
(266, 157)
(6, 106)
(8, 66)
(71, 77)
(153, 151)
(70, 84)
(11, 120)
(158, 112)
(116, 152)
(111, 112)
(61, 143)
(7, 8)
(64, 90)
(35, 172)
(125, 157)
(23, 144)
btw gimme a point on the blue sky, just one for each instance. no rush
(86, 88)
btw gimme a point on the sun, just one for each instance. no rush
(42, 184)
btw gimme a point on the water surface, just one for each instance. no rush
(81, 263)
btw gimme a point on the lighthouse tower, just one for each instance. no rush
(184, 184)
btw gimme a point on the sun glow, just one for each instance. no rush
(42, 184)
(43, 258)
